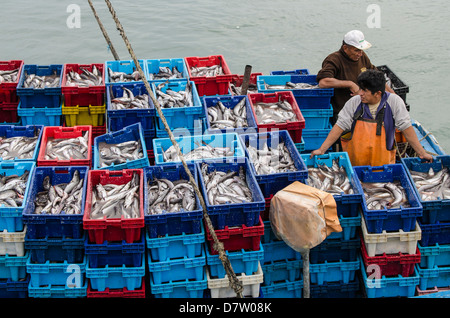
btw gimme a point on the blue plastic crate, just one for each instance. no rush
(11, 289)
(403, 218)
(349, 225)
(339, 271)
(130, 133)
(300, 71)
(270, 184)
(233, 214)
(153, 65)
(348, 205)
(230, 102)
(435, 233)
(11, 217)
(427, 140)
(51, 291)
(126, 66)
(13, 267)
(45, 97)
(120, 118)
(180, 289)
(318, 97)
(434, 210)
(149, 135)
(172, 270)
(268, 235)
(8, 131)
(199, 127)
(317, 118)
(175, 223)
(282, 270)
(283, 289)
(55, 249)
(242, 261)
(438, 276)
(434, 255)
(167, 247)
(114, 253)
(54, 225)
(300, 145)
(279, 250)
(189, 143)
(333, 250)
(46, 116)
(314, 138)
(336, 290)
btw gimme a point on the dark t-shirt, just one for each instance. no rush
(338, 65)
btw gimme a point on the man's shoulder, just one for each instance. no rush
(337, 55)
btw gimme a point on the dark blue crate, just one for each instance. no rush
(149, 135)
(335, 250)
(272, 183)
(115, 253)
(11, 289)
(55, 249)
(301, 71)
(176, 223)
(435, 233)
(48, 225)
(283, 289)
(233, 214)
(153, 65)
(8, 131)
(336, 290)
(126, 66)
(45, 97)
(389, 219)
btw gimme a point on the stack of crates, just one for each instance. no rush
(389, 237)
(9, 101)
(434, 266)
(57, 263)
(176, 257)
(40, 106)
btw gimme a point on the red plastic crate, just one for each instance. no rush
(237, 80)
(295, 129)
(65, 133)
(8, 90)
(113, 230)
(391, 265)
(8, 112)
(237, 238)
(116, 293)
(83, 96)
(98, 130)
(216, 85)
(151, 157)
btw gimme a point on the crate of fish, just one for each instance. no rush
(83, 84)
(14, 267)
(399, 208)
(10, 72)
(47, 116)
(123, 71)
(315, 137)
(115, 277)
(166, 183)
(180, 289)
(241, 203)
(166, 69)
(282, 270)
(116, 292)
(235, 238)
(10, 289)
(238, 80)
(433, 233)
(434, 255)
(83, 115)
(211, 74)
(16, 179)
(66, 146)
(394, 82)
(229, 114)
(317, 118)
(167, 247)
(199, 148)
(114, 209)
(283, 289)
(334, 250)
(20, 143)
(305, 89)
(40, 86)
(12, 243)
(58, 249)
(51, 291)
(127, 104)
(55, 204)
(122, 149)
(300, 71)
(115, 253)
(278, 111)
(431, 182)
(333, 172)
(339, 271)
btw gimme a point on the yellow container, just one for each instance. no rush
(84, 115)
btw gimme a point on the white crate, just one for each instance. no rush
(12, 243)
(390, 242)
(220, 287)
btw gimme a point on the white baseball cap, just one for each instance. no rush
(356, 38)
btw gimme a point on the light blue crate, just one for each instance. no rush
(287, 270)
(180, 289)
(153, 65)
(126, 66)
(9, 131)
(434, 255)
(283, 289)
(13, 267)
(333, 272)
(349, 225)
(317, 118)
(51, 291)
(315, 137)
(47, 116)
(438, 276)
(279, 250)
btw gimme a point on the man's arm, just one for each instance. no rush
(332, 137)
(329, 82)
(412, 139)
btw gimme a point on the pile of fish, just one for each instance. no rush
(432, 185)
(60, 197)
(270, 160)
(237, 90)
(207, 71)
(9, 76)
(201, 152)
(12, 189)
(40, 82)
(129, 100)
(119, 153)
(173, 99)
(278, 112)
(226, 187)
(166, 73)
(222, 117)
(380, 195)
(290, 85)
(67, 148)
(170, 196)
(86, 78)
(20, 147)
(116, 201)
(115, 77)
(332, 179)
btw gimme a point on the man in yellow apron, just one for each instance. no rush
(367, 124)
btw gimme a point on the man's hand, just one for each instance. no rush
(354, 88)
(317, 152)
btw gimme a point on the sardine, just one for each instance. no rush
(207, 71)
(119, 153)
(123, 76)
(173, 99)
(332, 179)
(221, 117)
(203, 151)
(84, 79)
(9, 76)
(380, 195)
(278, 112)
(19, 147)
(40, 82)
(67, 148)
(165, 72)
(432, 185)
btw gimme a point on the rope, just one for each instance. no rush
(234, 282)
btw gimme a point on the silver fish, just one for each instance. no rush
(40, 82)
(278, 112)
(129, 100)
(204, 151)
(290, 85)
(270, 160)
(432, 185)
(123, 77)
(12, 189)
(332, 179)
(173, 99)
(222, 117)
(67, 148)
(237, 90)
(166, 73)
(119, 153)
(208, 71)
(380, 195)
(84, 79)
(9, 76)
(166, 196)
(20, 147)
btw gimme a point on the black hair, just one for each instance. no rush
(373, 80)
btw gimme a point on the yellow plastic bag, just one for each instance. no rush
(303, 216)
